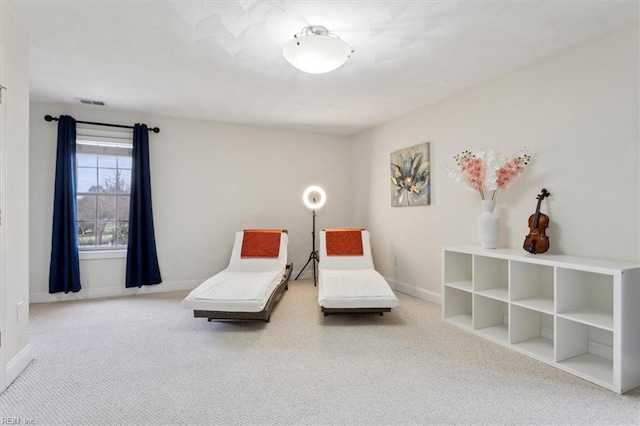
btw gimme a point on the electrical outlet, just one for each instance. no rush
(396, 260)
(20, 311)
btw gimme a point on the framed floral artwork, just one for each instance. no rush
(411, 176)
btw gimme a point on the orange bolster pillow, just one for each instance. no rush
(344, 242)
(261, 243)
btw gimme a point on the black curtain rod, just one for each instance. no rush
(154, 129)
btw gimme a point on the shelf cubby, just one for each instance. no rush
(532, 332)
(458, 270)
(459, 307)
(585, 351)
(490, 277)
(532, 286)
(491, 318)
(586, 297)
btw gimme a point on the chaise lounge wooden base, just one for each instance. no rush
(330, 311)
(264, 314)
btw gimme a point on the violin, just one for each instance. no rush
(537, 241)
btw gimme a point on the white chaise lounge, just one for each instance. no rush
(250, 286)
(348, 281)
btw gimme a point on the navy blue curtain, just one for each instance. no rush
(142, 258)
(64, 269)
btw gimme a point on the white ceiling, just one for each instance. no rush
(222, 60)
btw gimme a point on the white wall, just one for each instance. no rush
(209, 180)
(15, 216)
(576, 111)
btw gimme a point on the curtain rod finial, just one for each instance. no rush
(155, 130)
(50, 118)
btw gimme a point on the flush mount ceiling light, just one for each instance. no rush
(315, 50)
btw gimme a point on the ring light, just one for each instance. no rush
(314, 197)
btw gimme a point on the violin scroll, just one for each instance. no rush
(543, 194)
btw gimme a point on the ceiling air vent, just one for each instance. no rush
(90, 102)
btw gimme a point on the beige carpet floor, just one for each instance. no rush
(144, 360)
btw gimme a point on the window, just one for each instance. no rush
(103, 186)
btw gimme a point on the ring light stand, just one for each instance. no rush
(314, 198)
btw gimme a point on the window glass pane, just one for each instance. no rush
(86, 234)
(86, 207)
(108, 179)
(103, 170)
(87, 160)
(124, 162)
(106, 208)
(107, 161)
(124, 181)
(86, 179)
(122, 234)
(122, 208)
(107, 234)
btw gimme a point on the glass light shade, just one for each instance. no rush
(317, 54)
(314, 197)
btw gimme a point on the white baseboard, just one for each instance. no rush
(19, 363)
(603, 351)
(95, 293)
(420, 293)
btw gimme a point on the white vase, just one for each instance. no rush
(488, 225)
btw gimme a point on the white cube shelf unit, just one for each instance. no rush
(580, 315)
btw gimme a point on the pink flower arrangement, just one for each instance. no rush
(487, 171)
